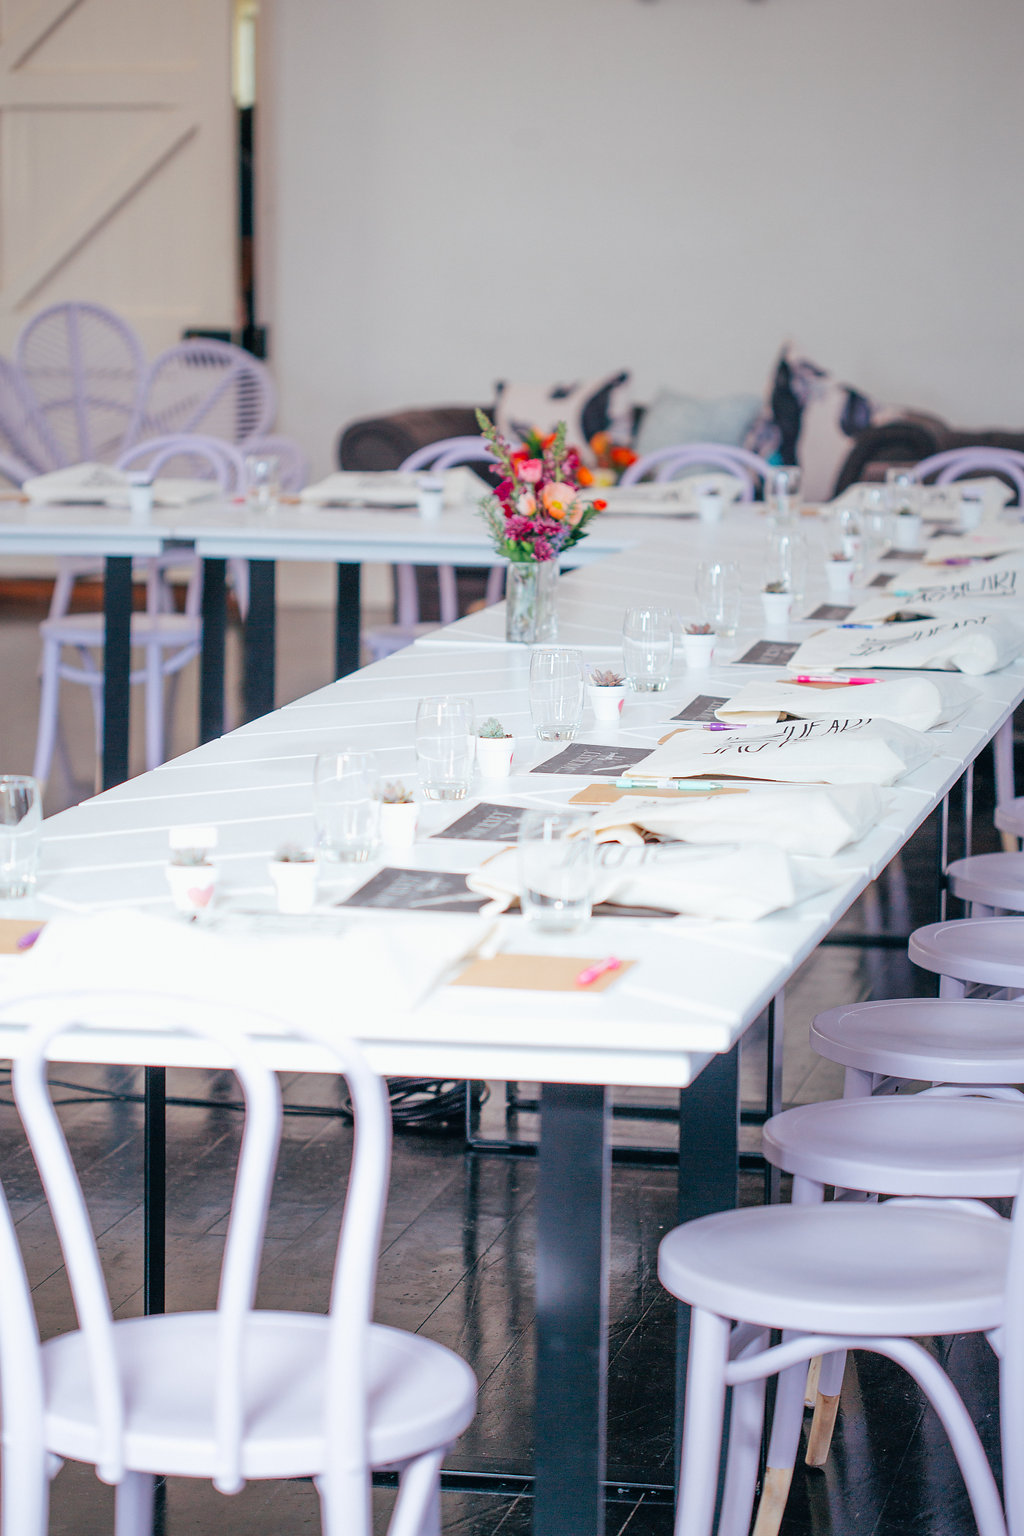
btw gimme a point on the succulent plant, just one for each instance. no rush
(395, 793)
(601, 677)
(775, 586)
(190, 858)
(493, 730)
(840, 556)
(699, 629)
(292, 853)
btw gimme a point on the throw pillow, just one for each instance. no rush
(597, 405)
(672, 419)
(811, 419)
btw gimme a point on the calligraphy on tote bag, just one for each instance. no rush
(975, 643)
(799, 752)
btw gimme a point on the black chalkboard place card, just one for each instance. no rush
(701, 708)
(904, 554)
(881, 580)
(831, 613)
(769, 653)
(417, 890)
(587, 758)
(487, 824)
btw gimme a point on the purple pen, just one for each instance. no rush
(718, 726)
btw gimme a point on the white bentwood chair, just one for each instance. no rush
(666, 463)
(236, 1393)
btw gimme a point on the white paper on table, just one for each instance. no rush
(974, 643)
(812, 819)
(392, 488)
(980, 544)
(939, 502)
(920, 702)
(827, 751)
(665, 497)
(104, 486)
(325, 985)
(740, 884)
(986, 583)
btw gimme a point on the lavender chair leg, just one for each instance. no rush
(133, 1505)
(702, 1424)
(746, 1422)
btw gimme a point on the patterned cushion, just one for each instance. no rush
(673, 418)
(597, 405)
(811, 419)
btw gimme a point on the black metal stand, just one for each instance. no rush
(117, 655)
(260, 641)
(211, 666)
(154, 1227)
(347, 620)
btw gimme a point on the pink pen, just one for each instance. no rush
(592, 973)
(847, 682)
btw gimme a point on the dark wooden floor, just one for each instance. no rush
(457, 1265)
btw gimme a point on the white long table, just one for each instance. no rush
(674, 1019)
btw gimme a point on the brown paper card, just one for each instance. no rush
(607, 794)
(538, 973)
(14, 928)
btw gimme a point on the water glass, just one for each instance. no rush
(718, 595)
(647, 648)
(346, 806)
(903, 494)
(262, 481)
(557, 689)
(444, 747)
(21, 831)
(787, 562)
(556, 869)
(782, 491)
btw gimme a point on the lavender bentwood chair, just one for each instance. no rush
(234, 1393)
(666, 463)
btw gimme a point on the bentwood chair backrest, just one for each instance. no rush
(190, 455)
(958, 463)
(209, 387)
(666, 463)
(216, 990)
(80, 368)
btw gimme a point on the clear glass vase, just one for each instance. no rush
(530, 589)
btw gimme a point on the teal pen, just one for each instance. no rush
(684, 785)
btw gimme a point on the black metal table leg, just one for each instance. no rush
(117, 655)
(154, 1199)
(346, 620)
(572, 1310)
(260, 641)
(211, 665)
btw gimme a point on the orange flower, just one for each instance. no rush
(623, 457)
(599, 506)
(557, 498)
(600, 443)
(584, 476)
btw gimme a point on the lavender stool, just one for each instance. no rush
(988, 951)
(990, 882)
(1009, 818)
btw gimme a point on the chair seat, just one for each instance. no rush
(88, 628)
(421, 1395)
(997, 879)
(1009, 817)
(385, 639)
(954, 1040)
(916, 1145)
(986, 950)
(848, 1269)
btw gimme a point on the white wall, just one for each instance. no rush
(461, 190)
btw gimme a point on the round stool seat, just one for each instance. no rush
(996, 879)
(953, 1040)
(917, 1145)
(1009, 816)
(989, 950)
(843, 1268)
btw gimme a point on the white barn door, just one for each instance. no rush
(118, 162)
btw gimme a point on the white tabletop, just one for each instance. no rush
(698, 984)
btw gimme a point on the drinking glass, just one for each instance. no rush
(262, 481)
(782, 491)
(556, 869)
(21, 830)
(346, 806)
(902, 491)
(718, 595)
(647, 648)
(556, 692)
(444, 747)
(787, 562)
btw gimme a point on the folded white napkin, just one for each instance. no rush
(325, 984)
(811, 819)
(974, 643)
(102, 485)
(826, 751)
(392, 488)
(669, 496)
(919, 702)
(982, 544)
(742, 884)
(940, 502)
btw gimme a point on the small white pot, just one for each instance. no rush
(709, 505)
(907, 530)
(192, 886)
(698, 651)
(606, 703)
(294, 883)
(430, 497)
(494, 756)
(398, 822)
(839, 575)
(777, 606)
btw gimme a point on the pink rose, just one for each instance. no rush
(531, 470)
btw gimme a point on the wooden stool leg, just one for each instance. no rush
(826, 1407)
(811, 1390)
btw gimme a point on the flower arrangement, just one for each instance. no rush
(610, 460)
(538, 507)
